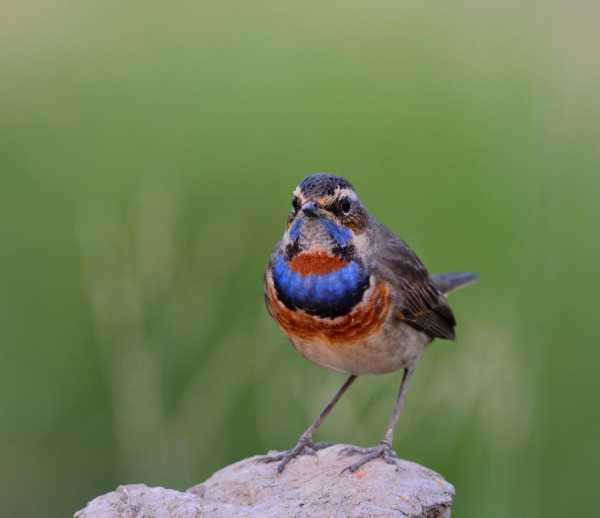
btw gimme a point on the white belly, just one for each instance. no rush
(394, 347)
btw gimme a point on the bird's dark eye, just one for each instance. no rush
(345, 205)
(296, 204)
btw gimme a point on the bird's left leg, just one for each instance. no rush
(384, 448)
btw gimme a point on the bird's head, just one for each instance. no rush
(326, 217)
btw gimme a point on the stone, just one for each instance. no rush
(311, 486)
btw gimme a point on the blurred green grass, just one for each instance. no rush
(147, 160)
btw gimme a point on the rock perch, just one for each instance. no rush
(310, 487)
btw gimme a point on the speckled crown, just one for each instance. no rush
(323, 184)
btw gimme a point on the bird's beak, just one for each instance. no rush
(310, 209)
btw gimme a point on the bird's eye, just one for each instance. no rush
(345, 205)
(296, 204)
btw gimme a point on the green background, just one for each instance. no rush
(148, 152)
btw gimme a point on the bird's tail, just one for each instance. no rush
(447, 282)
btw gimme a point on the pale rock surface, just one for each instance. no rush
(309, 487)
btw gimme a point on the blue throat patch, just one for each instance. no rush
(326, 295)
(341, 235)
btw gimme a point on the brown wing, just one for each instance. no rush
(420, 304)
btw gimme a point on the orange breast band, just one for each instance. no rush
(316, 263)
(365, 319)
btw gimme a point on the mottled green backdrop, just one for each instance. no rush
(148, 151)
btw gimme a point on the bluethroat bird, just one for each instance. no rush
(352, 297)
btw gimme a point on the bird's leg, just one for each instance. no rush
(305, 446)
(384, 448)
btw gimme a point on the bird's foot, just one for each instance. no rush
(383, 450)
(304, 447)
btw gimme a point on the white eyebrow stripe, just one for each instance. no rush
(338, 193)
(345, 191)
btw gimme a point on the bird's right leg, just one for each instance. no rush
(305, 446)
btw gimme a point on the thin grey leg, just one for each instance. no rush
(310, 431)
(305, 446)
(388, 438)
(384, 448)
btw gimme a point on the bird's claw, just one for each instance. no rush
(304, 447)
(383, 450)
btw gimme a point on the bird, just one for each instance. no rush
(353, 298)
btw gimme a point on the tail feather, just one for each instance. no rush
(447, 282)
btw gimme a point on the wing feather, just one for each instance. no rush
(419, 302)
